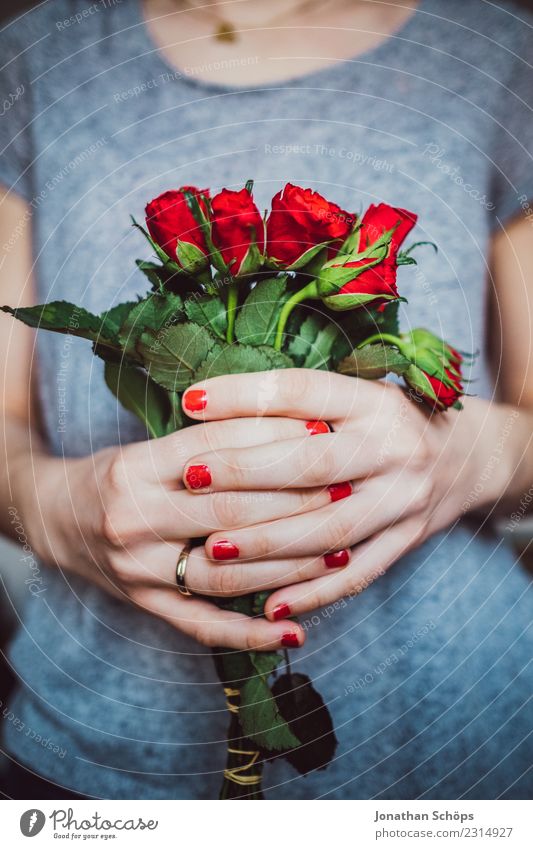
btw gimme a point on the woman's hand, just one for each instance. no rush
(393, 473)
(121, 516)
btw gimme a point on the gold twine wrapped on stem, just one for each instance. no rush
(244, 771)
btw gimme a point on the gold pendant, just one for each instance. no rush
(225, 32)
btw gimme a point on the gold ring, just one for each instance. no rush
(181, 566)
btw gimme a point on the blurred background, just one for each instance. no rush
(13, 571)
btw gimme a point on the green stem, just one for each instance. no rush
(244, 784)
(233, 298)
(309, 291)
(382, 337)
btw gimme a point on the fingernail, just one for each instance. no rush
(340, 490)
(282, 611)
(195, 400)
(337, 559)
(317, 427)
(198, 477)
(290, 641)
(225, 550)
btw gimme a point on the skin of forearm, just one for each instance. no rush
(500, 436)
(29, 482)
(20, 447)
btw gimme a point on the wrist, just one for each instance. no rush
(40, 495)
(492, 441)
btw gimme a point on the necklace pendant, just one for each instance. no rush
(225, 32)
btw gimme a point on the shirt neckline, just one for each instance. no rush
(151, 49)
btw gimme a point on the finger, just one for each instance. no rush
(157, 514)
(212, 627)
(163, 459)
(148, 580)
(172, 515)
(289, 464)
(237, 579)
(298, 393)
(369, 561)
(330, 528)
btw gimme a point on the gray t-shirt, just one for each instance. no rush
(426, 671)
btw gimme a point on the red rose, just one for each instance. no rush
(446, 394)
(378, 219)
(170, 221)
(439, 394)
(302, 220)
(376, 284)
(237, 229)
(455, 357)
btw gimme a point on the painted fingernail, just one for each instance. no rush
(290, 641)
(198, 477)
(337, 559)
(317, 427)
(282, 611)
(225, 550)
(340, 490)
(195, 400)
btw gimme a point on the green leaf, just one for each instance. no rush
(260, 718)
(314, 341)
(320, 351)
(64, 317)
(173, 354)
(276, 358)
(140, 395)
(208, 312)
(257, 319)
(259, 601)
(358, 325)
(114, 318)
(239, 359)
(373, 362)
(153, 272)
(152, 313)
(304, 336)
(176, 418)
(265, 662)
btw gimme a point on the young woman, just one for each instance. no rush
(422, 105)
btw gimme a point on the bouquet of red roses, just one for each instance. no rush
(307, 285)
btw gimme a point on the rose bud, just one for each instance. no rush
(238, 231)
(430, 366)
(427, 347)
(174, 228)
(301, 224)
(435, 373)
(438, 393)
(368, 275)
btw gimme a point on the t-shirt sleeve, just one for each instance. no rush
(511, 190)
(16, 154)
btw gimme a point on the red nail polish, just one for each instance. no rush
(340, 490)
(225, 550)
(317, 427)
(198, 477)
(290, 641)
(282, 611)
(337, 559)
(195, 400)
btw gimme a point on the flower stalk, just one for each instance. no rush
(244, 769)
(309, 291)
(233, 299)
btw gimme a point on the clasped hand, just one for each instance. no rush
(309, 512)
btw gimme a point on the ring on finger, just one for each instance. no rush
(181, 568)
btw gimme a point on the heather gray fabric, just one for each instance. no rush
(425, 672)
